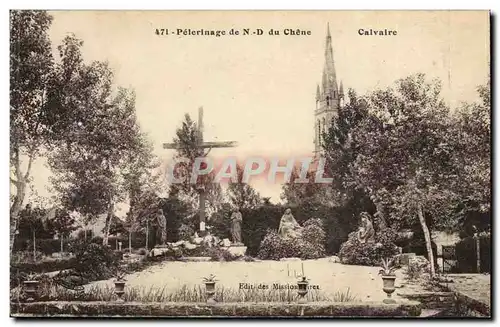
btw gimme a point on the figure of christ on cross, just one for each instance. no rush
(202, 145)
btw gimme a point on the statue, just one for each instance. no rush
(366, 232)
(236, 220)
(162, 223)
(289, 227)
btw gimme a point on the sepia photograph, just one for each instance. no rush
(243, 164)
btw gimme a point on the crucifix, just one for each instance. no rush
(203, 145)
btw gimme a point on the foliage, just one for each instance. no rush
(314, 233)
(95, 261)
(220, 254)
(187, 139)
(63, 223)
(185, 293)
(185, 232)
(417, 269)
(472, 142)
(353, 252)
(388, 267)
(99, 134)
(209, 279)
(35, 219)
(298, 194)
(309, 246)
(242, 195)
(342, 146)
(31, 65)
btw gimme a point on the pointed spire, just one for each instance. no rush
(318, 93)
(329, 74)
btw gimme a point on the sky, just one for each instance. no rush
(259, 90)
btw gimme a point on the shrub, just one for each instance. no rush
(185, 232)
(220, 254)
(310, 246)
(95, 261)
(416, 268)
(352, 252)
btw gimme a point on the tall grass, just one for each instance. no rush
(185, 293)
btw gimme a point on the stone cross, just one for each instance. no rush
(202, 145)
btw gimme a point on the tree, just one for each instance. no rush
(405, 156)
(242, 195)
(341, 147)
(34, 217)
(63, 224)
(31, 65)
(142, 182)
(99, 135)
(309, 193)
(472, 156)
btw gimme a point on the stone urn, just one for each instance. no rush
(389, 288)
(302, 284)
(210, 289)
(120, 289)
(31, 289)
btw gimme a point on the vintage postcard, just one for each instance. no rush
(272, 164)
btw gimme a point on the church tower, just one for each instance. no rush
(329, 97)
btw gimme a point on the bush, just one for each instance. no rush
(465, 251)
(19, 271)
(220, 254)
(352, 252)
(95, 261)
(185, 232)
(310, 246)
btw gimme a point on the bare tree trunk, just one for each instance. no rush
(130, 242)
(34, 246)
(107, 224)
(62, 246)
(427, 237)
(20, 184)
(16, 209)
(147, 234)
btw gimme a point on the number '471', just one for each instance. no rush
(161, 31)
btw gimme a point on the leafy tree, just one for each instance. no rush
(472, 156)
(405, 155)
(100, 140)
(142, 182)
(31, 65)
(341, 146)
(309, 193)
(63, 224)
(242, 195)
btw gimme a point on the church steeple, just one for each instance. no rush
(330, 88)
(329, 98)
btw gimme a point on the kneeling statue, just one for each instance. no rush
(289, 227)
(366, 232)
